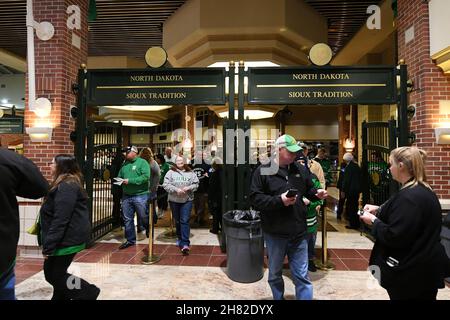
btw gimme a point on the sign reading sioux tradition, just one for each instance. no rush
(157, 87)
(324, 85)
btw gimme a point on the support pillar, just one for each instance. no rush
(431, 90)
(56, 63)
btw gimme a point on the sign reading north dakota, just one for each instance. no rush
(156, 87)
(326, 85)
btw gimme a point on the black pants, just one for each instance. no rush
(65, 285)
(200, 200)
(161, 198)
(216, 211)
(402, 294)
(351, 210)
(340, 209)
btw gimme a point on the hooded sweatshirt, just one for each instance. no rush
(175, 180)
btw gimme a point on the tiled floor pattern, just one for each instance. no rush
(201, 256)
(159, 282)
(348, 250)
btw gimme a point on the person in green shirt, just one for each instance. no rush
(379, 178)
(135, 173)
(161, 193)
(312, 208)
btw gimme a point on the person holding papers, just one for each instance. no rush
(135, 173)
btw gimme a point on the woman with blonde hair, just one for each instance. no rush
(408, 259)
(65, 230)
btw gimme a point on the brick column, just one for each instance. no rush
(56, 62)
(431, 86)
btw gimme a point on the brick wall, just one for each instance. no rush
(56, 62)
(431, 86)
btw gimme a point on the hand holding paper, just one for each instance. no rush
(118, 181)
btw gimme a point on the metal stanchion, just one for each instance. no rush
(325, 264)
(170, 232)
(150, 258)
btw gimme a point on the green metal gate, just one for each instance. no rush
(378, 140)
(103, 161)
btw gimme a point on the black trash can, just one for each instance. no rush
(244, 245)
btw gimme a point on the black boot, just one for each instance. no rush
(312, 266)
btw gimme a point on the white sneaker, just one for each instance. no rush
(160, 214)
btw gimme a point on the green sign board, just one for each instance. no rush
(156, 87)
(11, 125)
(322, 85)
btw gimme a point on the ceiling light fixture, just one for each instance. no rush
(131, 123)
(247, 64)
(139, 108)
(251, 114)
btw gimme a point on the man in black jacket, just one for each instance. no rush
(19, 177)
(284, 218)
(351, 186)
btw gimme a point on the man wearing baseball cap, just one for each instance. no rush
(283, 215)
(135, 173)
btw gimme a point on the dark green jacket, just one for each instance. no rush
(311, 213)
(164, 168)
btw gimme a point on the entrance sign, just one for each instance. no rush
(156, 87)
(11, 125)
(324, 85)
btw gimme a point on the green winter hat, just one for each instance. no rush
(288, 142)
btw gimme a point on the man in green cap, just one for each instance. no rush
(277, 194)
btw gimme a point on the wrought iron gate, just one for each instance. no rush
(103, 161)
(378, 140)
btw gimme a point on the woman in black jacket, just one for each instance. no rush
(65, 229)
(408, 258)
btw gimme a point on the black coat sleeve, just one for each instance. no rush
(403, 226)
(64, 204)
(259, 199)
(32, 184)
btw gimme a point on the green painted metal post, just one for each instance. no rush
(402, 107)
(80, 125)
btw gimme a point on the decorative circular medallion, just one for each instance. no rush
(320, 54)
(156, 57)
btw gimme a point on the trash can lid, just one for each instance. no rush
(242, 217)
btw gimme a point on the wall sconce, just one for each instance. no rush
(349, 145)
(187, 144)
(42, 108)
(442, 135)
(40, 134)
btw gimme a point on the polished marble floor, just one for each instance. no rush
(202, 275)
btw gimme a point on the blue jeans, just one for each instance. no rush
(130, 205)
(7, 284)
(311, 239)
(297, 252)
(181, 213)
